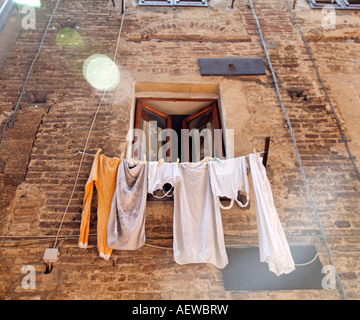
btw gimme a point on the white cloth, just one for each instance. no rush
(197, 226)
(227, 178)
(126, 227)
(274, 248)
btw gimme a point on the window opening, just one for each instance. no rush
(336, 4)
(171, 135)
(183, 3)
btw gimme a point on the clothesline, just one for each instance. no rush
(160, 161)
(195, 204)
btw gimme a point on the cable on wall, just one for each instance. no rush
(341, 288)
(90, 130)
(10, 122)
(326, 93)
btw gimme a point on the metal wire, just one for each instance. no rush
(326, 93)
(90, 130)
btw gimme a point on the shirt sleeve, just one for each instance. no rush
(85, 217)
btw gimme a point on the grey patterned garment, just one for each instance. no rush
(126, 226)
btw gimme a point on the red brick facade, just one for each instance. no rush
(163, 45)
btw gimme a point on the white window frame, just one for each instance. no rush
(183, 3)
(337, 4)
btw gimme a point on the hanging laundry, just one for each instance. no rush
(228, 178)
(103, 176)
(168, 172)
(126, 228)
(231, 176)
(274, 248)
(197, 226)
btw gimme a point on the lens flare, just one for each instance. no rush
(101, 72)
(31, 3)
(69, 37)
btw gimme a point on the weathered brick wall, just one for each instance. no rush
(163, 45)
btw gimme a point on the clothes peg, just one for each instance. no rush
(207, 159)
(217, 159)
(98, 152)
(133, 161)
(160, 162)
(256, 154)
(178, 160)
(122, 155)
(144, 157)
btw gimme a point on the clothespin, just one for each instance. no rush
(98, 152)
(206, 159)
(256, 152)
(160, 162)
(133, 161)
(144, 157)
(178, 160)
(122, 155)
(217, 159)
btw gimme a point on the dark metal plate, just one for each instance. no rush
(246, 272)
(231, 66)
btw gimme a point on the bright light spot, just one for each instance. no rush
(31, 3)
(69, 37)
(101, 72)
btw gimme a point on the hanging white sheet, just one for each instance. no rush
(274, 248)
(197, 226)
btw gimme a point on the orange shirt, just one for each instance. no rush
(103, 175)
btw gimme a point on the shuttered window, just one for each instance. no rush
(183, 3)
(200, 3)
(352, 4)
(155, 2)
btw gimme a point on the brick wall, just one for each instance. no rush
(163, 45)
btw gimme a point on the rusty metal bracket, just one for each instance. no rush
(266, 151)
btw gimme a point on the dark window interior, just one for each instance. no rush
(205, 118)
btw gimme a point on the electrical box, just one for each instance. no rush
(51, 255)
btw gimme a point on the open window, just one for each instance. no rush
(206, 122)
(352, 4)
(171, 129)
